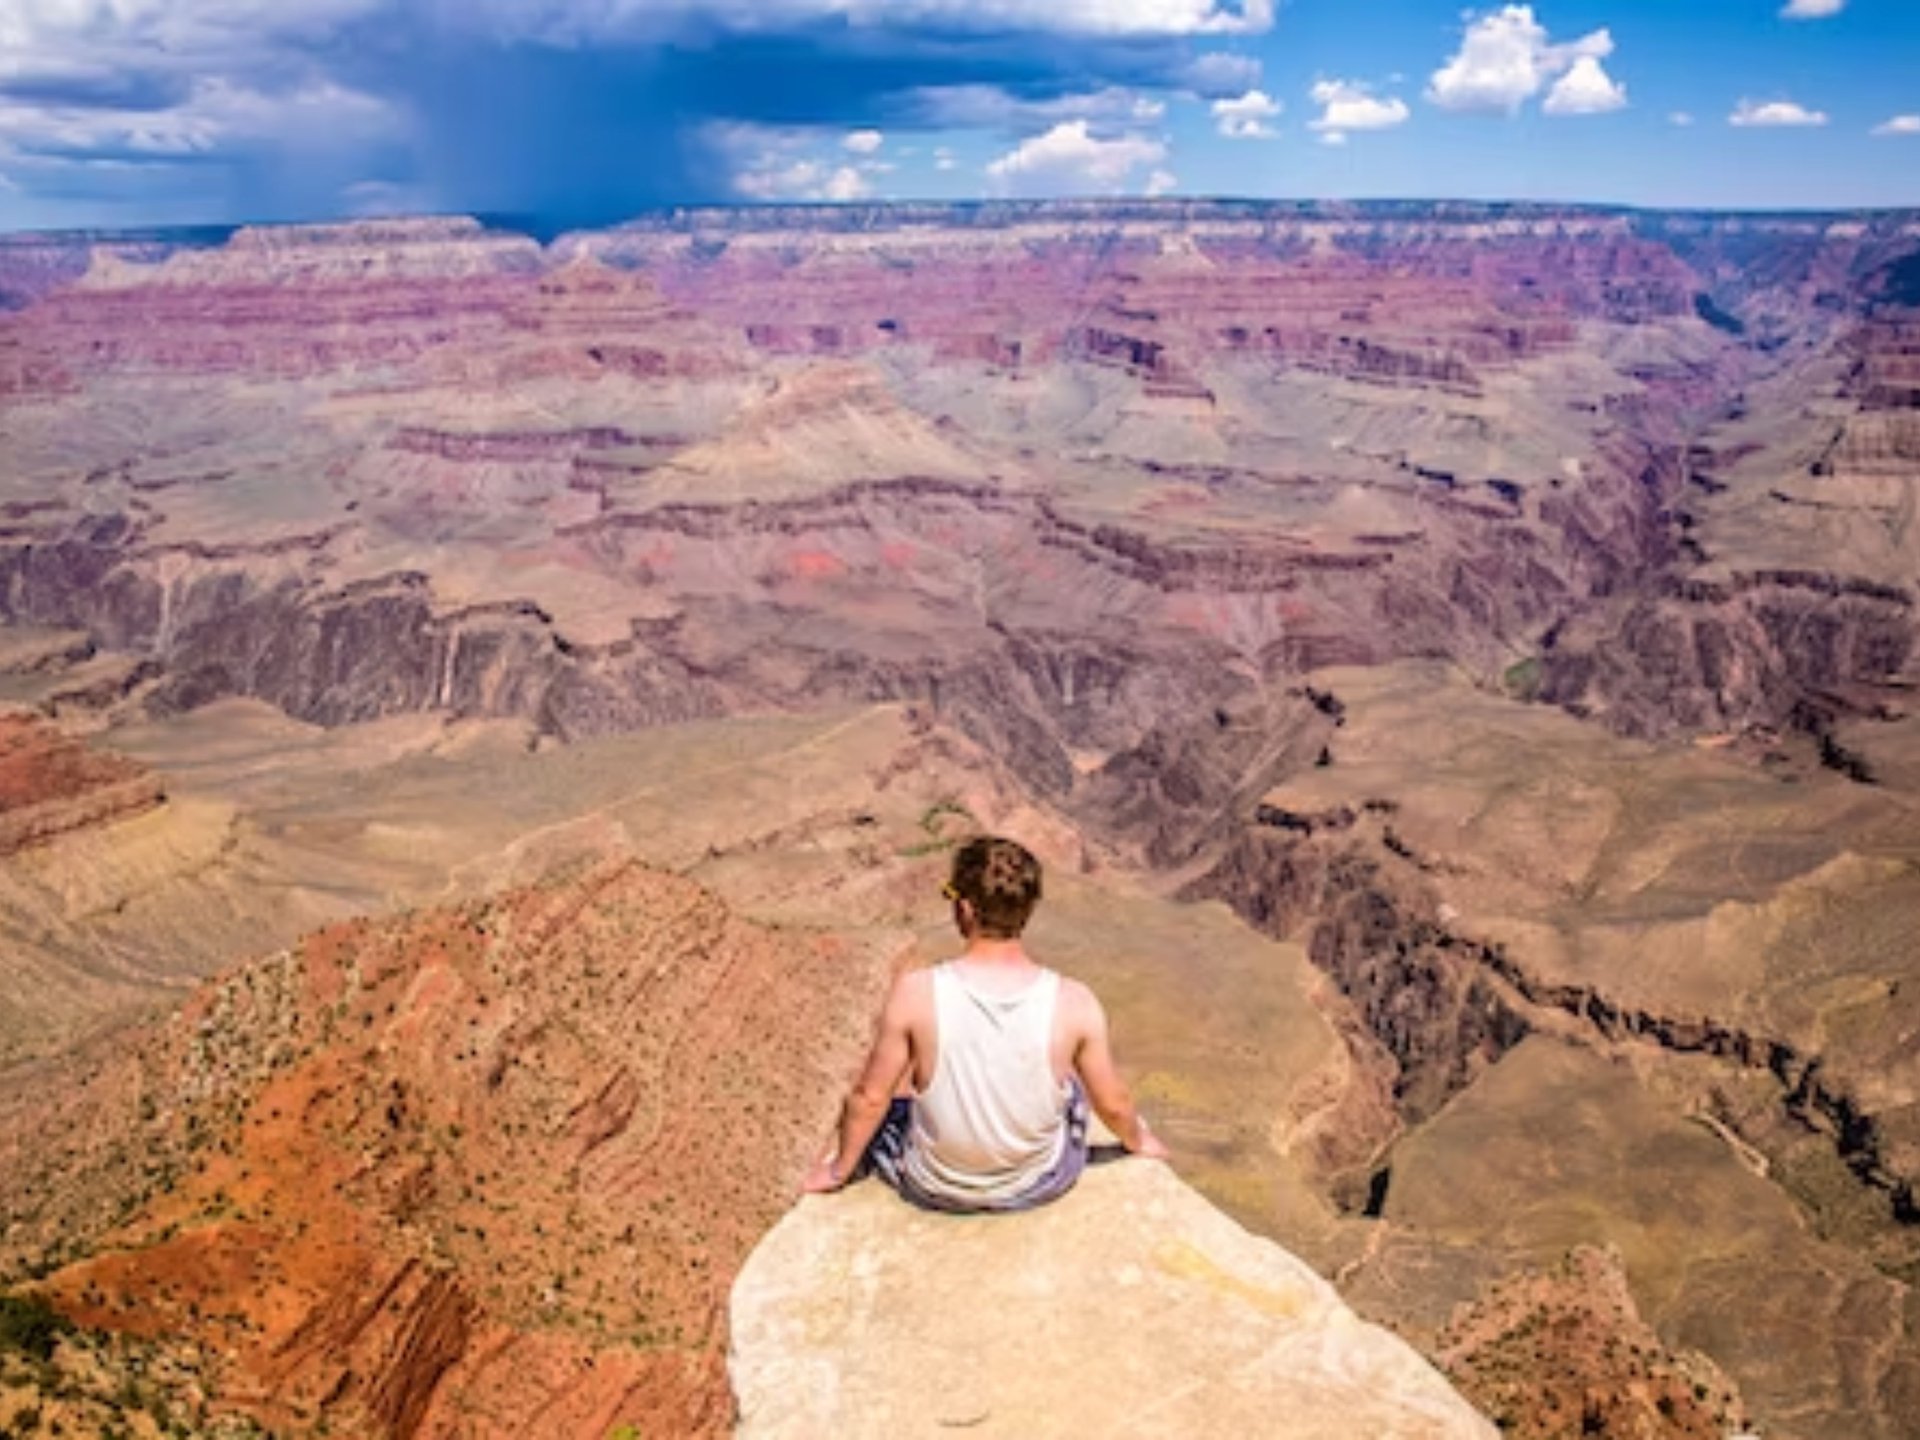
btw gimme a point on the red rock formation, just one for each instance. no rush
(1412, 304)
(52, 784)
(32, 266)
(485, 1172)
(1888, 373)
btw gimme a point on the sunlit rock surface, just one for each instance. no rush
(1130, 1308)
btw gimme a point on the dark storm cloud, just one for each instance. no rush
(585, 135)
(109, 89)
(577, 112)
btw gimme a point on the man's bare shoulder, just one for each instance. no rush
(911, 998)
(1079, 1006)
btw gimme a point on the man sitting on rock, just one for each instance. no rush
(999, 1056)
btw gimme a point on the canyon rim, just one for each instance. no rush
(481, 720)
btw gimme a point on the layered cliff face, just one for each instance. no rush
(1509, 612)
(32, 266)
(1194, 438)
(65, 802)
(1534, 925)
(1318, 438)
(1064, 554)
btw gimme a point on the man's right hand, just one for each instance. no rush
(1147, 1145)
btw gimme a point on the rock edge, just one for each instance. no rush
(1130, 1308)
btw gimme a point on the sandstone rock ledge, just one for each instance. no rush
(1130, 1308)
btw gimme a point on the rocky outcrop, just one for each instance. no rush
(292, 256)
(1886, 374)
(32, 266)
(1129, 1308)
(1777, 650)
(1180, 789)
(245, 626)
(52, 785)
(1443, 1007)
(475, 1172)
(1567, 1352)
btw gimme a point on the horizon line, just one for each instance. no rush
(546, 231)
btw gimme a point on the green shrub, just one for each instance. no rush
(30, 1326)
(1522, 681)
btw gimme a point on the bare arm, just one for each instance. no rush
(866, 1105)
(1093, 1062)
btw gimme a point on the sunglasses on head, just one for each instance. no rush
(947, 892)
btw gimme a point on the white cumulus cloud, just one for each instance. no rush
(1246, 117)
(802, 180)
(1586, 89)
(791, 162)
(1506, 58)
(1813, 9)
(1899, 125)
(845, 184)
(1071, 160)
(1775, 113)
(863, 142)
(1347, 105)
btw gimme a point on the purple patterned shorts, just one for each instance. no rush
(890, 1144)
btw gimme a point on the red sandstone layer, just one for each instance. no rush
(51, 785)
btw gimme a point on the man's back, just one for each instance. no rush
(1004, 1112)
(993, 1119)
(1078, 1042)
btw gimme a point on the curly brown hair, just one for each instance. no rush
(1000, 879)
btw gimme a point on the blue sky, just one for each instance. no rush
(139, 112)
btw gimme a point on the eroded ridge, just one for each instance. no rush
(456, 1174)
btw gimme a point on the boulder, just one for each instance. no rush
(1131, 1307)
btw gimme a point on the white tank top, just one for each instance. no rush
(993, 1119)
